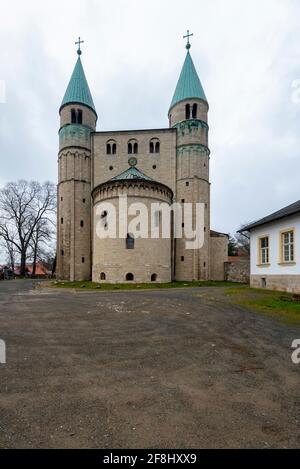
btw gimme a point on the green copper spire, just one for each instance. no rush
(189, 85)
(78, 89)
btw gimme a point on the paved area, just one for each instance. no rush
(171, 368)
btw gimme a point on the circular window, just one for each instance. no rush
(154, 166)
(111, 168)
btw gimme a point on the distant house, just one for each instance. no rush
(275, 250)
(40, 271)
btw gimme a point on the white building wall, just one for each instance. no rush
(273, 230)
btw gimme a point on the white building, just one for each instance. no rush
(275, 250)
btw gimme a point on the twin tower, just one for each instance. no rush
(150, 166)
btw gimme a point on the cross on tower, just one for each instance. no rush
(79, 42)
(187, 36)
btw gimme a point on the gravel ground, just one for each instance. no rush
(134, 369)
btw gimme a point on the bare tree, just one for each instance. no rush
(40, 243)
(23, 206)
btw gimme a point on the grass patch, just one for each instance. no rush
(280, 304)
(136, 286)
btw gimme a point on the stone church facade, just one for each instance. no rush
(151, 166)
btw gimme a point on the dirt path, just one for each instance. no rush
(169, 368)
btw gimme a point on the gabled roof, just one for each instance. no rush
(131, 173)
(282, 213)
(189, 85)
(78, 89)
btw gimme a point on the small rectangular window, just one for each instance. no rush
(62, 252)
(82, 260)
(264, 256)
(287, 246)
(81, 223)
(62, 220)
(61, 198)
(187, 184)
(83, 201)
(182, 258)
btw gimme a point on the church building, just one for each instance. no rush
(164, 165)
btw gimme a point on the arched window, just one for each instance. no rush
(129, 277)
(76, 116)
(73, 116)
(102, 276)
(194, 111)
(129, 241)
(154, 145)
(111, 147)
(187, 111)
(153, 277)
(132, 147)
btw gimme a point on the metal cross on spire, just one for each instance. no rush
(187, 37)
(79, 42)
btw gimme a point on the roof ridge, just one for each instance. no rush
(131, 173)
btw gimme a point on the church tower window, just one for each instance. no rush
(187, 111)
(73, 116)
(194, 111)
(79, 116)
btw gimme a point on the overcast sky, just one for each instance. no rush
(247, 54)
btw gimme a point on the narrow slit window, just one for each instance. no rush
(187, 111)
(194, 111)
(79, 116)
(73, 116)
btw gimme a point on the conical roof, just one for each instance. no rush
(189, 84)
(78, 89)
